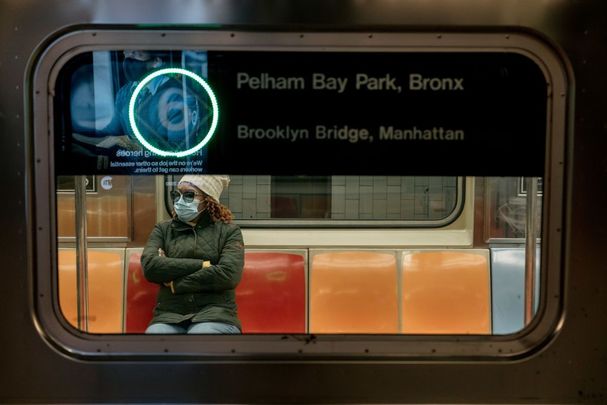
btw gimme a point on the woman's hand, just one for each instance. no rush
(170, 283)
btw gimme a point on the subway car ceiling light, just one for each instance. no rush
(203, 84)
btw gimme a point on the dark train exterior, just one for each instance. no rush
(560, 359)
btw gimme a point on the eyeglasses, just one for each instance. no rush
(187, 196)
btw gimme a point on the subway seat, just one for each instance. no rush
(140, 294)
(508, 280)
(353, 292)
(446, 292)
(271, 296)
(105, 289)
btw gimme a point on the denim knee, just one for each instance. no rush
(164, 328)
(213, 327)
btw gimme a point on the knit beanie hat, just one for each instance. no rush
(212, 185)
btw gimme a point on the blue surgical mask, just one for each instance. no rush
(186, 211)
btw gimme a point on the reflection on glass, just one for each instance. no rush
(343, 197)
(96, 88)
(506, 208)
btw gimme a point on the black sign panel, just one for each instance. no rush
(321, 113)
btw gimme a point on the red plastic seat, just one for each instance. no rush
(140, 295)
(271, 296)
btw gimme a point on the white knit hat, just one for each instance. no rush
(212, 185)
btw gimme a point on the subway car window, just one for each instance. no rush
(272, 191)
(411, 287)
(404, 201)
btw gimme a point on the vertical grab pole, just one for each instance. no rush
(82, 287)
(530, 247)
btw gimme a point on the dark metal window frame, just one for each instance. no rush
(327, 348)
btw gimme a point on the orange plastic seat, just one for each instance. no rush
(446, 292)
(106, 289)
(353, 292)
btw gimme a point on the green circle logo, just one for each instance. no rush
(209, 93)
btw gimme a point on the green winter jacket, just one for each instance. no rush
(197, 294)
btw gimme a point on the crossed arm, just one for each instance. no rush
(185, 275)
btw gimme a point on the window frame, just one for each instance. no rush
(324, 348)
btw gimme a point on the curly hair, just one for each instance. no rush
(218, 211)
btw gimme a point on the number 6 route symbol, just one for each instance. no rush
(192, 76)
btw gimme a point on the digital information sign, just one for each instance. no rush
(301, 113)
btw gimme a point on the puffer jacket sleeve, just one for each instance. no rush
(161, 269)
(224, 275)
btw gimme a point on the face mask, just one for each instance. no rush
(186, 211)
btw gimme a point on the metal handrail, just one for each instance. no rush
(530, 248)
(82, 288)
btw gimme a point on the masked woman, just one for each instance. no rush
(197, 258)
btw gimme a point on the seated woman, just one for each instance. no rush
(197, 258)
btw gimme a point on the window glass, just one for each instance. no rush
(506, 208)
(406, 200)
(406, 278)
(108, 207)
(330, 246)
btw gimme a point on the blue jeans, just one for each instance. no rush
(193, 328)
